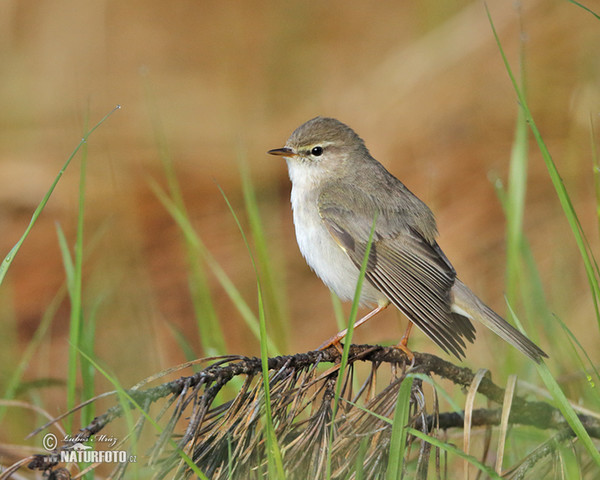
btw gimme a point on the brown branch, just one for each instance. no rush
(538, 414)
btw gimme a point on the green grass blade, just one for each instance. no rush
(184, 344)
(532, 290)
(533, 293)
(360, 459)
(436, 442)
(230, 289)
(587, 9)
(425, 378)
(591, 367)
(562, 403)
(514, 210)
(398, 440)
(352, 317)
(558, 184)
(75, 326)
(38, 338)
(74, 291)
(210, 332)
(41, 332)
(127, 400)
(456, 451)
(196, 243)
(515, 206)
(66, 257)
(274, 457)
(348, 342)
(586, 255)
(88, 372)
(273, 288)
(74, 267)
(440, 391)
(4, 266)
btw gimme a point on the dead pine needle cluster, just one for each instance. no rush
(202, 430)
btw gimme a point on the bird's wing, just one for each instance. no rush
(412, 272)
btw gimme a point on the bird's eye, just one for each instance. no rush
(317, 151)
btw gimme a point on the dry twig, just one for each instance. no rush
(225, 440)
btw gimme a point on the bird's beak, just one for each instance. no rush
(282, 152)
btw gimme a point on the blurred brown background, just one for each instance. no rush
(422, 83)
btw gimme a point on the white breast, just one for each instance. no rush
(318, 247)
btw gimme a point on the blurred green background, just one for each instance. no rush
(422, 82)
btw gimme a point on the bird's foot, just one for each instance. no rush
(407, 351)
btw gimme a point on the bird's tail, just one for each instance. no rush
(466, 303)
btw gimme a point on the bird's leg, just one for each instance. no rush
(337, 338)
(404, 341)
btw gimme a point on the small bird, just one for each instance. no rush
(338, 191)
